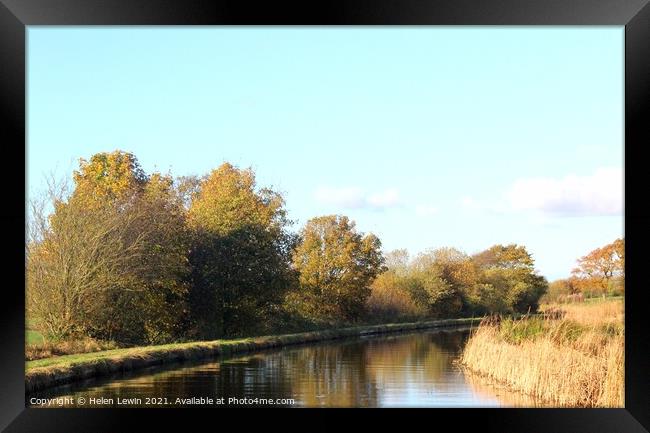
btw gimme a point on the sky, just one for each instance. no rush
(425, 136)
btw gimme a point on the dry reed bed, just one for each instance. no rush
(44, 373)
(575, 361)
(70, 347)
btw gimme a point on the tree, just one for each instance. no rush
(442, 276)
(391, 295)
(108, 179)
(240, 253)
(76, 257)
(150, 307)
(508, 272)
(390, 298)
(397, 260)
(562, 288)
(505, 257)
(187, 188)
(598, 270)
(336, 265)
(109, 261)
(430, 290)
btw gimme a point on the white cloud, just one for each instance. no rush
(598, 194)
(425, 210)
(387, 198)
(470, 203)
(357, 198)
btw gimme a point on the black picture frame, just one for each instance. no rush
(15, 15)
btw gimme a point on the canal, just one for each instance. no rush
(394, 370)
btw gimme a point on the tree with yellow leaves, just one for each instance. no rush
(601, 269)
(336, 265)
(240, 253)
(110, 261)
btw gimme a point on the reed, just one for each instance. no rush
(573, 361)
(67, 347)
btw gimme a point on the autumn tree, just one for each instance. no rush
(446, 282)
(187, 188)
(240, 253)
(397, 260)
(391, 299)
(391, 295)
(507, 273)
(76, 257)
(152, 304)
(108, 179)
(563, 288)
(109, 260)
(601, 268)
(336, 266)
(437, 279)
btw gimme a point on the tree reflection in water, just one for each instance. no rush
(391, 370)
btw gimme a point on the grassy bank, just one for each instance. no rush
(44, 373)
(573, 360)
(46, 349)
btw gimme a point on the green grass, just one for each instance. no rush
(34, 337)
(516, 330)
(596, 299)
(80, 358)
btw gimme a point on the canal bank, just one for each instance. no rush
(45, 373)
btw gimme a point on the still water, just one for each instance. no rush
(398, 370)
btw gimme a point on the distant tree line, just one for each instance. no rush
(600, 272)
(140, 258)
(447, 282)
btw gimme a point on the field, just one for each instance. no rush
(34, 338)
(574, 357)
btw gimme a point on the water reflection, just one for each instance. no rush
(395, 370)
(507, 397)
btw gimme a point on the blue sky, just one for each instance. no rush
(425, 136)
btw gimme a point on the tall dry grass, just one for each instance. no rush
(575, 361)
(66, 347)
(590, 313)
